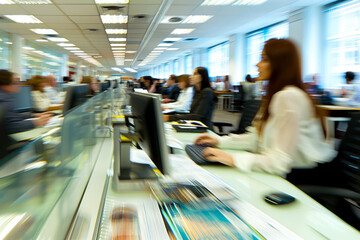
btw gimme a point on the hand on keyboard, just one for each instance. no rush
(196, 153)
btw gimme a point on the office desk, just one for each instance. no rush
(304, 217)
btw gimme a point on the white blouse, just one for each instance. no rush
(183, 102)
(292, 137)
(41, 101)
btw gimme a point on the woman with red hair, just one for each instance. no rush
(287, 132)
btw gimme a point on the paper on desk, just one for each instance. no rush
(171, 141)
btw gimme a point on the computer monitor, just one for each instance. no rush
(75, 96)
(149, 128)
(23, 100)
(104, 86)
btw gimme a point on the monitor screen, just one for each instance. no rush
(104, 86)
(149, 128)
(75, 96)
(23, 100)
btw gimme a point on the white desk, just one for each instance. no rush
(304, 217)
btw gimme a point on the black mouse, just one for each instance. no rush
(279, 198)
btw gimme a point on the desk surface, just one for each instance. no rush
(305, 217)
(335, 107)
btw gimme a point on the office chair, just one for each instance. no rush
(250, 109)
(3, 135)
(338, 185)
(238, 101)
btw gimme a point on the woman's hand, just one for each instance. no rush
(207, 139)
(217, 155)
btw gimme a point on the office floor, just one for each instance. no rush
(225, 116)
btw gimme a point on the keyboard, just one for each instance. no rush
(195, 152)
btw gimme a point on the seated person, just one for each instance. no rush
(51, 92)
(288, 133)
(93, 84)
(185, 98)
(40, 99)
(351, 90)
(173, 89)
(16, 122)
(227, 83)
(203, 102)
(249, 87)
(149, 83)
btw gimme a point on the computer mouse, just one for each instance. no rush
(279, 198)
(196, 123)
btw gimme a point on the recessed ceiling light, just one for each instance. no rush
(32, 1)
(114, 19)
(249, 2)
(118, 48)
(116, 31)
(182, 30)
(120, 51)
(165, 44)
(172, 39)
(77, 51)
(41, 40)
(6, 2)
(23, 18)
(57, 39)
(172, 49)
(160, 48)
(117, 44)
(71, 48)
(28, 48)
(112, 1)
(66, 45)
(130, 51)
(43, 31)
(197, 19)
(9, 43)
(129, 60)
(117, 39)
(130, 69)
(217, 2)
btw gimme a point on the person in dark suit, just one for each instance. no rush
(14, 121)
(203, 102)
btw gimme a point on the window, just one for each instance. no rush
(255, 43)
(219, 60)
(166, 70)
(188, 64)
(176, 67)
(342, 42)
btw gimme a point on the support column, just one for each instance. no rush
(237, 63)
(17, 54)
(64, 72)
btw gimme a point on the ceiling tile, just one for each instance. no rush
(40, 10)
(79, 9)
(54, 19)
(86, 19)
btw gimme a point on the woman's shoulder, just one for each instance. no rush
(290, 92)
(207, 90)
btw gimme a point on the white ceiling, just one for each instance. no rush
(72, 19)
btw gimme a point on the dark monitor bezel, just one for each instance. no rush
(19, 97)
(75, 96)
(147, 116)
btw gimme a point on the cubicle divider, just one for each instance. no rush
(43, 182)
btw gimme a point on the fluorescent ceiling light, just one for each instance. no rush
(130, 51)
(118, 44)
(217, 2)
(41, 40)
(156, 51)
(129, 60)
(130, 69)
(160, 48)
(122, 51)
(112, 1)
(57, 39)
(71, 48)
(23, 18)
(43, 31)
(197, 19)
(172, 49)
(116, 31)
(114, 18)
(249, 2)
(28, 48)
(32, 1)
(118, 48)
(66, 45)
(117, 39)
(6, 2)
(172, 39)
(77, 51)
(182, 30)
(165, 44)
